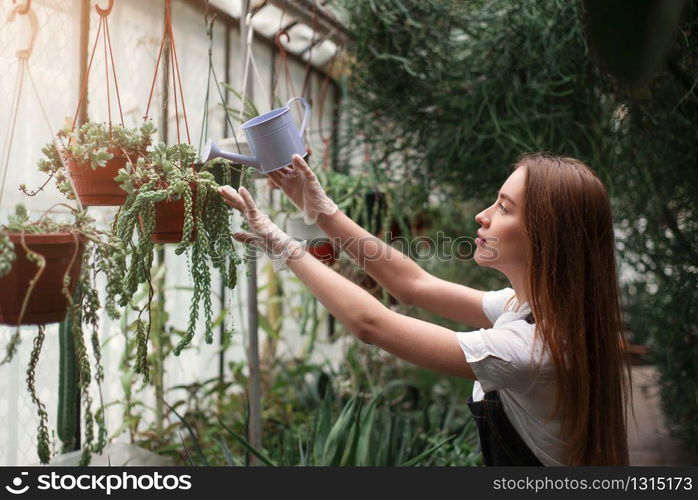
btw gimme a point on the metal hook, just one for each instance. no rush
(25, 10)
(104, 12)
(277, 39)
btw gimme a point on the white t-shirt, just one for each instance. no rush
(501, 359)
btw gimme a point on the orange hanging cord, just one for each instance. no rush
(168, 34)
(108, 58)
(283, 62)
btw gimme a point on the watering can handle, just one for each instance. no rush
(306, 114)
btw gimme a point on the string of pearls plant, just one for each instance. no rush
(166, 173)
(104, 253)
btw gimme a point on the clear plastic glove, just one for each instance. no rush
(301, 186)
(266, 235)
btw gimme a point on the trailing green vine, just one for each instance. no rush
(42, 445)
(103, 253)
(167, 173)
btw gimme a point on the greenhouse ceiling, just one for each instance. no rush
(314, 32)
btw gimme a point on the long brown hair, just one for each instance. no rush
(572, 288)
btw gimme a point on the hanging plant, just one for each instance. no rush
(49, 269)
(156, 184)
(96, 151)
(93, 156)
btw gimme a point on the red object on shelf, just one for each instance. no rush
(47, 303)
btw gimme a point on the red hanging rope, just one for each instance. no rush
(113, 68)
(282, 62)
(108, 57)
(155, 76)
(106, 78)
(168, 34)
(179, 82)
(83, 88)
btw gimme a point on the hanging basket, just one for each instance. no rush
(47, 303)
(97, 187)
(169, 220)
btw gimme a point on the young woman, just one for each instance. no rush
(548, 361)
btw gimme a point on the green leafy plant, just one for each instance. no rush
(93, 145)
(103, 253)
(167, 173)
(458, 90)
(370, 412)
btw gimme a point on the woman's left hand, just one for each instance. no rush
(265, 235)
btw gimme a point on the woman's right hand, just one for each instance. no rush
(302, 187)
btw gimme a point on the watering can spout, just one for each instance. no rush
(211, 151)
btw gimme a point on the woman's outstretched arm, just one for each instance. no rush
(421, 343)
(418, 342)
(403, 278)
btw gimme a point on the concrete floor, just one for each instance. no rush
(649, 442)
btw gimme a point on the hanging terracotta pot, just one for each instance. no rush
(97, 187)
(47, 303)
(169, 220)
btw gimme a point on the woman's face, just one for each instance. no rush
(501, 243)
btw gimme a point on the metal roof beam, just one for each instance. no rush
(316, 17)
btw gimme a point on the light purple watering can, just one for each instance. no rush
(273, 139)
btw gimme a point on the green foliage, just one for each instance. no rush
(249, 109)
(456, 91)
(92, 145)
(7, 254)
(374, 411)
(167, 173)
(657, 210)
(43, 448)
(103, 254)
(352, 436)
(460, 89)
(67, 419)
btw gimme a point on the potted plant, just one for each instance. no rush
(93, 156)
(46, 272)
(169, 201)
(39, 268)
(40, 265)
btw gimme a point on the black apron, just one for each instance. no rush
(499, 441)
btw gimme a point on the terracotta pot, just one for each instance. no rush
(324, 252)
(97, 187)
(169, 220)
(47, 303)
